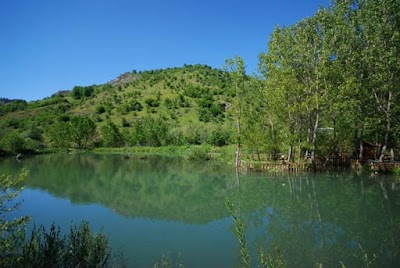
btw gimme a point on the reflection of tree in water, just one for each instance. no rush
(313, 218)
(324, 220)
(159, 188)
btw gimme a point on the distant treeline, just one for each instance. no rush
(8, 106)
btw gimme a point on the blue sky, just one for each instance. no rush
(48, 45)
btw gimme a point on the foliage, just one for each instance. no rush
(59, 134)
(81, 248)
(111, 135)
(8, 106)
(148, 131)
(52, 120)
(209, 109)
(79, 92)
(100, 109)
(220, 136)
(329, 71)
(81, 131)
(199, 153)
(12, 232)
(13, 143)
(396, 171)
(237, 71)
(150, 102)
(76, 131)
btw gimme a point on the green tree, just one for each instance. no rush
(297, 67)
(111, 135)
(354, 105)
(13, 143)
(260, 127)
(59, 134)
(155, 131)
(81, 131)
(365, 40)
(79, 92)
(236, 68)
(380, 23)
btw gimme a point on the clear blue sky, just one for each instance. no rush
(50, 45)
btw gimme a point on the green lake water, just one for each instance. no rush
(166, 206)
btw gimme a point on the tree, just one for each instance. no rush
(285, 92)
(111, 135)
(13, 143)
(59, 134)
(81, 131)
(260, 125)
(366, 47)
(380, 23)
(79, 92)
(236, 68)
(297, 67)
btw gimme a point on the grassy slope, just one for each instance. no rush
(158, 84)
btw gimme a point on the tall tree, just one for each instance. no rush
(381, 28)
(236, 68)
(284, 94)
(298, 62)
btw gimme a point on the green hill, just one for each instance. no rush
(187, 105)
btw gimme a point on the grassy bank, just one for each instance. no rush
(224, 154)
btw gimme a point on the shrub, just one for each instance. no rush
(80, 248)
(100, 109)
(12, 231)
(152, 102)
(124, 122)
(199, 153)
(219, 137)
(170, 104)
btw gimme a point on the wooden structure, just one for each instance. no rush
(273, 166)
(383, 166)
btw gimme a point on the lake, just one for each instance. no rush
(163, 206)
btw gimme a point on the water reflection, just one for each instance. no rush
(314, 219)
(323, 219)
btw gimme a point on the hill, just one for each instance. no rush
(174, 106)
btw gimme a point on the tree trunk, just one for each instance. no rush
(314, 140)
(361, 143)
(388, 127)
(299, 141)
(289, 158)
(238, 140)
(308, 137)
(335, 148)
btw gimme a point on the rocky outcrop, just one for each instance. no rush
(123, 79)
